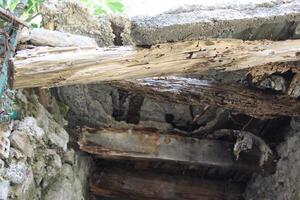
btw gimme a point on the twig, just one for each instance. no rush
(9, 17)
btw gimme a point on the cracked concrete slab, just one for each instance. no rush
(274, 20)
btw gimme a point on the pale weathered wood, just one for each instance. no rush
(201, 92)
(147, 144)
(294, 89)
(50, 67)
(127, 184)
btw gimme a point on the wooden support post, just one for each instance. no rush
(137, 185)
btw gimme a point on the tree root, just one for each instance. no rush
(246, 141)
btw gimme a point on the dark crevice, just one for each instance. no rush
(117, 31)
(135, 104)
(119, 107)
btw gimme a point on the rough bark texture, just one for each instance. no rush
(49, 67)
(141, 185)
(199, 92)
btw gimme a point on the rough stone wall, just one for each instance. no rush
(99, 104)
(71, 16)
(39, 164)
(285, 183)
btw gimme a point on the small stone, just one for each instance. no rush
(16, 173)
(1, 164)
(29, 126)
(4, 188)
(57, 135)
(62, 189)
(17, 154)
(69, 157)
(44, 37)
(4, 147)
(23, 35)
(297, 32)
(295, 123)
(21, 141)
(274, 82)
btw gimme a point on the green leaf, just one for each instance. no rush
(34, 25)
(99, 11)
(115, 5)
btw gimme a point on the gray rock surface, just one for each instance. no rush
(71, 16)
(274, 20)
(44, 37)
(285, 183)
(38, 157)
(93, 103)
(297, 32)
(4, 188)
(274, 82)
(21, 141)
(16, 173)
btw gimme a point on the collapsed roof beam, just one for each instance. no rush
(200, 92)
(148, 144)
(58, 66)
(127, 184)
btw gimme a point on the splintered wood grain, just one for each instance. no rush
(128, 184)
(57, 66)
(200, 92)
(143, 144)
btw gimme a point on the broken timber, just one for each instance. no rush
(148, 144)
(58, 66)
(126, 184)
(200, 92)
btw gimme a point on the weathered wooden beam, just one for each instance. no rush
(10, 17)
(147, 144)
(126, 184)
(198, 92)
(50, 67)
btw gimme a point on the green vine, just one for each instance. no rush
(104, 7)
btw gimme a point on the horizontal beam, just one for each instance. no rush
(198, 92)
(147, 144)
(126, 184)
(58, 66)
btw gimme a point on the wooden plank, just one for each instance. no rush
(50, 67)
(147, 144)
(126, 184)
(198, 92)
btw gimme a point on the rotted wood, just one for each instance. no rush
(198, 92)
(136, 185)
(10, 17)
(57, 66)
(147, 144)
(294, 88)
